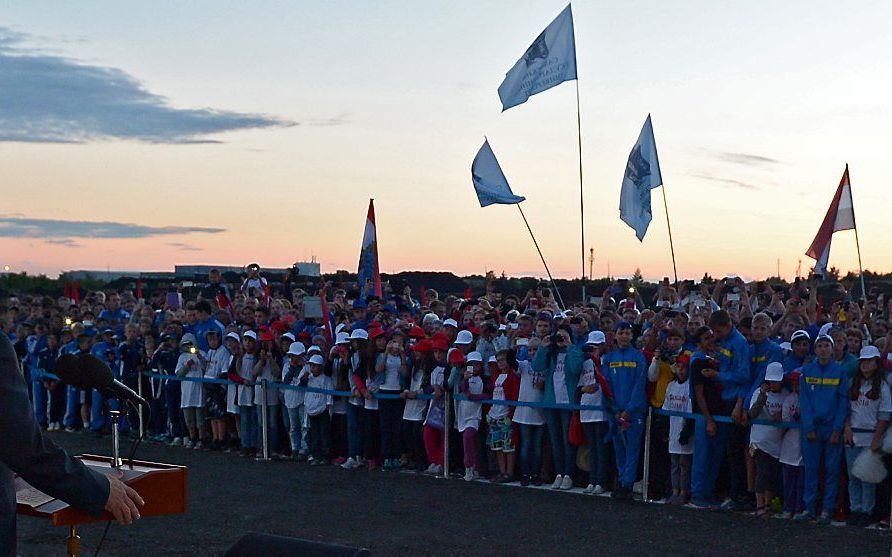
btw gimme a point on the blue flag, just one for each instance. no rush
(549, 61)
(642, 175)
(489, 181)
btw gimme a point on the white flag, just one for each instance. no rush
(642, 175)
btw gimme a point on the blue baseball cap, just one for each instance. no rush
(360, 304)
(622, 325)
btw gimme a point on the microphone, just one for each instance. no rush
(86, 371)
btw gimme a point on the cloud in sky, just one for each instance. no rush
(61, 231)
(748, 159)
(727, 182)
(47, 98)
(65, 242)
(184, 247)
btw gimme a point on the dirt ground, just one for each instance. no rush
(397, 513)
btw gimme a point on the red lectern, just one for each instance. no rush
(163, 487)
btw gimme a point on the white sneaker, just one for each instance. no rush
(469, 475)
(589, 489)
(198, 445)
(558, 480)
(438, 469)
(349, 464)
(599, 490)
(638, 487)
(567, 483)
(187, 444)
(176, 442)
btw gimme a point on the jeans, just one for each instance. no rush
(297, 429)
(320, 435)
(862, 495)
(354, 438)
(597, 460)
(248, 426)
(531, 449)
(371, 434)
(794, 486)
(172, 396)
(814, 453)
(562, 452)
(272, 426)
(391, 416)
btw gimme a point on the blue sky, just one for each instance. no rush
(313, 108)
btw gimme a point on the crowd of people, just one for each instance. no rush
(760, 398)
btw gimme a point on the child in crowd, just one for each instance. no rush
(594, 422)
(870, 405)
(627, 377)
(505, 386)
(765, 440)
(214, 393)
(681, 430)
(191, 363)
(824, 403)
(435, 418)
(531, 420)
(468, 412)
(413, 412)
(791, 453)
(358, 359)
(247, 414)
(391, 369)
(318, 406)
(292, 374)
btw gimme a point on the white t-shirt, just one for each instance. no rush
(499, 411)
(678, 399)
(438, 379)
(354, 363)
(586, 379)
(561, 396)
(791, 452)
(317, 403)
(468, 412)
(767, 437)
(528, 393)
(218, 363)
(414, 410)
(231, 392)
(191, 392)
(293, 397)
(390, 379)
(864, 412)
(272, 395)
(372, 385)
(246, 392)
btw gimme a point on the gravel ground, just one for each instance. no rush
(407, 514)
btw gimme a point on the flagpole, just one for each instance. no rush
(581, 201)
(542, 257)
(857, 242)
(669, 226)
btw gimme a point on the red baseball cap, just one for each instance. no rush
(456, 358)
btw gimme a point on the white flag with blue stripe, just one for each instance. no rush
(489, 181)
(549, 61)
(642, 175)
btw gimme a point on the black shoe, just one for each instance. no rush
(524, 480)
(536, 480)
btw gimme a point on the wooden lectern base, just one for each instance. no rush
(163, 487)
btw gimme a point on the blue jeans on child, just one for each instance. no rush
(562, 451)
(354, 437)
(247, 417)
(862, 495)
(597, 451)
(297, 430)
(531, 449)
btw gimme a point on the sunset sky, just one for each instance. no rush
(223, 133)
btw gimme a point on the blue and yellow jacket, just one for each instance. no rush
(823, 401)
(626, 371)
(734, 366)
(761, 355)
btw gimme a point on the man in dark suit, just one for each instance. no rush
(24, 451)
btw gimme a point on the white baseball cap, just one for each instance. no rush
(342, 338)
(317, 359)
(596, 337)
(464, 337)
(450, 323)
(800, 334)
(289, 336)
(492, 359)
(340, 327)
(314, 348)
(234, 336)
(250, 334)
(360, 334)
(297, 349)
(474, 357)
(774, 372)
(869, 352)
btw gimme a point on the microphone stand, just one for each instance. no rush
(115, 416)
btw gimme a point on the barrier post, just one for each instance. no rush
(647, 453)
(142, 426)
(447, 429)
(264, 412)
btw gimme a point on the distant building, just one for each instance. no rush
(304, 268)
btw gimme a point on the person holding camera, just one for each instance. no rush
(560, 362)
(191, 363)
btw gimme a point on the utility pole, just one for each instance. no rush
(591, 262)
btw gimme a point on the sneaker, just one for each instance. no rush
(396, 465)
(567, 483)
(698, 503)
(338, 461)
(804, 516)
(787, 515)
(176, 442)
(558, 481)
(438, 469)
(824, 519)
(187, 444)
(524, 480)
(536, 480)
(469, 474)
(318, 462)
(349, 464)
(198, 445)
(589, 489)
(430, 469)
(599, 490)
(70, 429)
(638, 487)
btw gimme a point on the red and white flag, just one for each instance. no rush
(840, 216)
